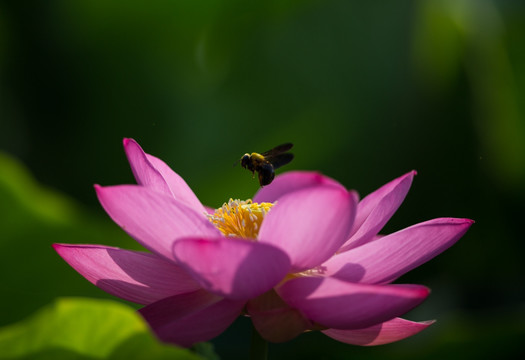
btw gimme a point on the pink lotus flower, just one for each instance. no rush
(304, 255)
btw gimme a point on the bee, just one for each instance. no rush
(266, 163)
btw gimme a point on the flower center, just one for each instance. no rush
(240, 218)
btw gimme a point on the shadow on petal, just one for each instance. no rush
(159, 272)
(350, 272)
(190, 318)
(275, 320)
(131, 275)
(231, 267)
(155, 280)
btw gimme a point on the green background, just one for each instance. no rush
(366, 91)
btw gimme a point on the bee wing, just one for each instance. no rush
(280, 159)
(278, 150)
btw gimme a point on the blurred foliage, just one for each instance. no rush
(365, 90)
(71, 329)
(472, 34)
(33, 218)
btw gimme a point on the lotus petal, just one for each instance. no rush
(334, 303)
(290, 182)
(385, 259)
(190, 318)
(131, 275)
(384, 333)
(231, 267)
(152, 218)
(310, 224)
(374, 211)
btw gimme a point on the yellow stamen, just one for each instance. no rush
(240, 218)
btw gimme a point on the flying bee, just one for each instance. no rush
(266, 163)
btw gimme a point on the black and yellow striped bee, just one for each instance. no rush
(266, 163)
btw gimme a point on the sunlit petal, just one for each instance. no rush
(393, 255)
(152, 218)
(290, 182)
(374, 211)
(310, 224)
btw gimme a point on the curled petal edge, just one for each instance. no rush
(380, 334)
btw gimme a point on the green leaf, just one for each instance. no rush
(22, 195)
(79, 328)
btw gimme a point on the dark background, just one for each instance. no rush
(365, 90)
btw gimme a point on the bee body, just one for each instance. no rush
(266, 163)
